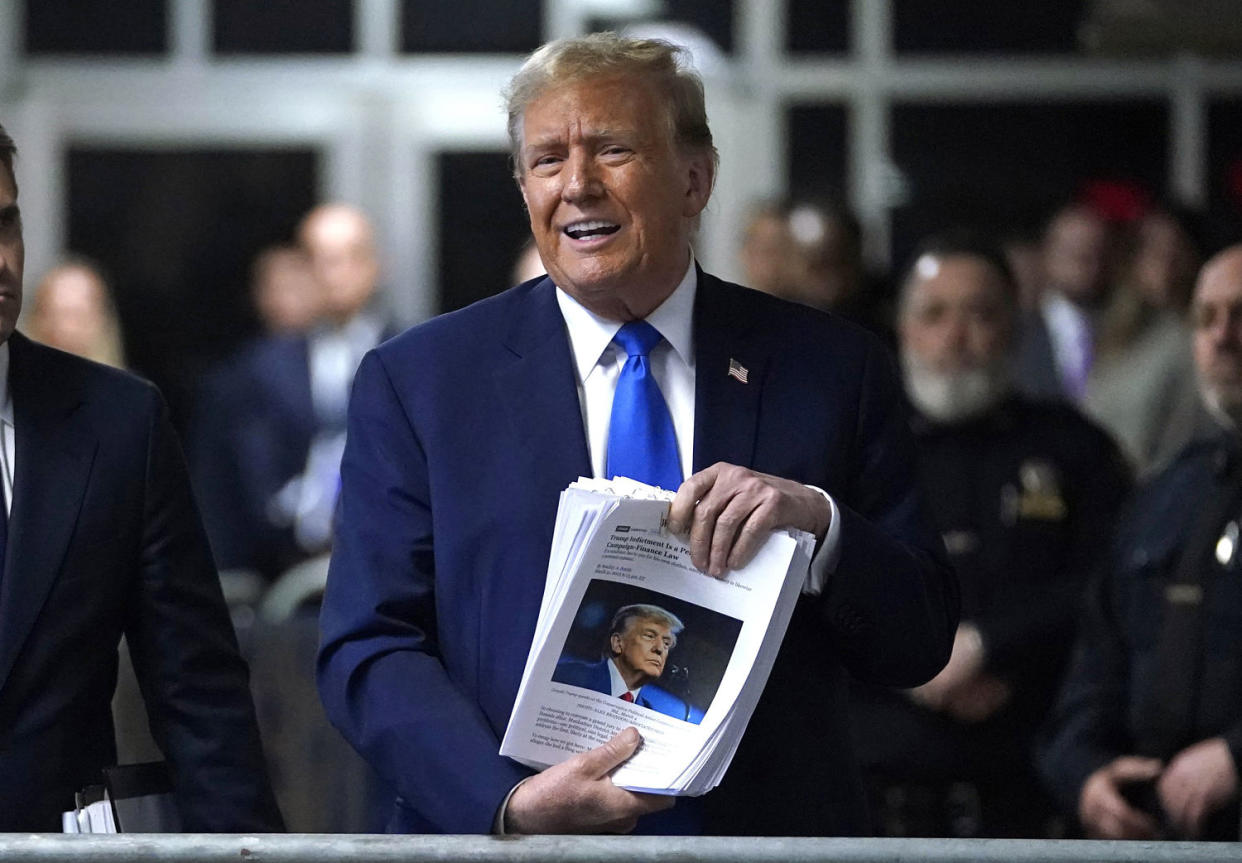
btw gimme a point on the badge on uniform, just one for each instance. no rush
(960, 542)
(1040, 497)
(1227, 545)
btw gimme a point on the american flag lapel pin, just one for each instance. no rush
(737, 370)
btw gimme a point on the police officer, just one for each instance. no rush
(1146, 737)
(1022, 492)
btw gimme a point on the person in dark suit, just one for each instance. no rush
(1058, 346)
(640, 640)
(271, 421)
(464, 431)
(102, 538)
(1145, 740)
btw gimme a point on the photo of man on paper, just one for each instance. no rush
(647, 654)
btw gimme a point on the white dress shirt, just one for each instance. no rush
(335, 353)
(618, 683)
(598, 362)
(1069, 330)
(8, 453)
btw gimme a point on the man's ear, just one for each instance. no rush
(614, 643)
(700, 173)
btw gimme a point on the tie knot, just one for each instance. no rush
(638, 338)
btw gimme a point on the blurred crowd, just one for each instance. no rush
(1073, 397)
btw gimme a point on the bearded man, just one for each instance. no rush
(1026, 492)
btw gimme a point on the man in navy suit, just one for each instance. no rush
(464, 431)
(639, 641)
(100, 537)
(272, 421)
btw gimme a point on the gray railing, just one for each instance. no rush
(307, 848)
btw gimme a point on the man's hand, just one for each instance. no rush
(1104, 813)
(577, 796)
(728, 511)
(962, 689)
(1198, 781)
(978, 698)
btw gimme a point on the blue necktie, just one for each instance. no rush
(641, 442)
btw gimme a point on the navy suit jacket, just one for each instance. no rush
(595, 676)
(1036, 370)
(254, 427)
(462, 434)
(252, 432)
(104, 539)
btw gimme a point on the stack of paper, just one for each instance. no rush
(625, 615)
(92, 812)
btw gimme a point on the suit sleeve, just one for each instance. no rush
(382, 677)
(893, 603)
(193, 679)
(1087, 726)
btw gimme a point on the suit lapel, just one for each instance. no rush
(295, 384)
(54, 453)
(538, 388)
(726, 410)
(545, 443)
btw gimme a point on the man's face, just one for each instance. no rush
(643, 647)
(955, 335)
(955, 318)
(611, 199)
(343, 258)
(1216, 314)
(69, 310)
(12, 255)
(1077, 252)
(1163, 267)
(286, 293)
(767, 255)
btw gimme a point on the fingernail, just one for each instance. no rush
(630, 736)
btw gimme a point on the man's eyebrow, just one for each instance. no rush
(592, 135)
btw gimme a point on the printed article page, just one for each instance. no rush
(630, 633)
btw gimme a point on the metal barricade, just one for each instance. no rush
(314, 848)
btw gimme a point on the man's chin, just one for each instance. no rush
(948, 397)
(1224, 403)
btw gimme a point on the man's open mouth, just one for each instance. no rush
(585, 230)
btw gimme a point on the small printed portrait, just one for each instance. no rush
(647, 648)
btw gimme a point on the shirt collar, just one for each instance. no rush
(590, 335)
(6, 401)
(1059, 311)
(618, 682)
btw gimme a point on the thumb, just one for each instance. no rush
(1132, 768)
(604, 758)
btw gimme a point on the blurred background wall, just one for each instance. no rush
(172, 139)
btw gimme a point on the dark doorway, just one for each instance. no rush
(176, 230)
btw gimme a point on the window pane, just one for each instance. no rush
(483, 226)
(283, 27)
(1225, 171)
(91, 27)
(818, 26)
(991, 164)
(714, 18)
(987, 27)
(471, 26)
(176, 230)
(817, 151)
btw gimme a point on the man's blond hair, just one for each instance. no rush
(606, 55)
